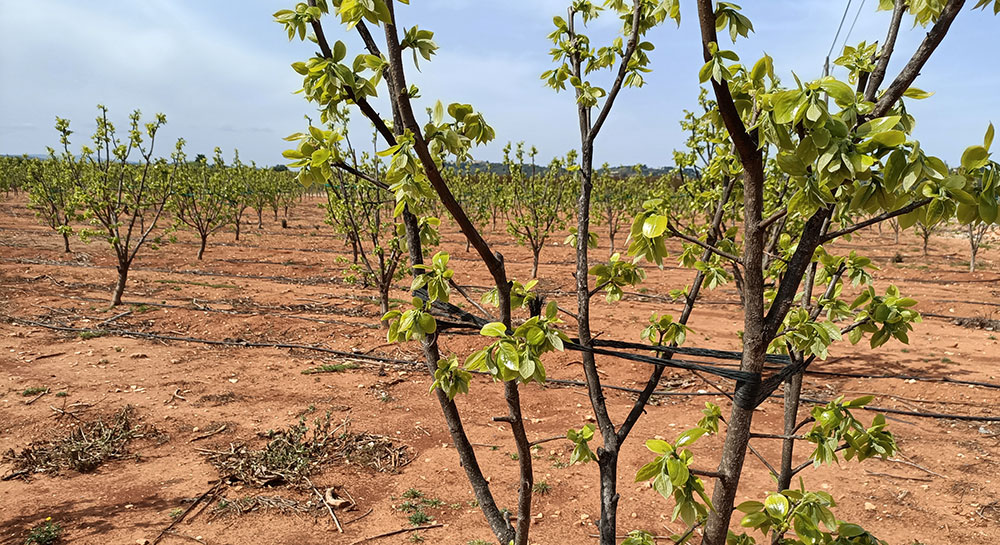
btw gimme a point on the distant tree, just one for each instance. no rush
(51, 183)
(14, 172)
(359, 204)
(203, 197)
(123, 189)
(240, 177)
(537, 199)
(980, 215)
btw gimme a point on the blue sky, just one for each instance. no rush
(219, 71)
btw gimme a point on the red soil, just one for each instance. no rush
(953, 499)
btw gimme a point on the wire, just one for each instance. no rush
(850, 30)
(839, 27)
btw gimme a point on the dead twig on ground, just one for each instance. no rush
(47, 356)
(368, 512)
(113, 318)
(918, 466)
(206, 435)
(213, 490)
(176, 395)
(37, 397)
(329, 509)
(904, 477)
(396, 532)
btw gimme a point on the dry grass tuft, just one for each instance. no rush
(87, 446)
(293, 454)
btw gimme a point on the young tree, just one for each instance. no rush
(979, 216)
(240, 178)
(123, 189)
(50, 185)
(202, 197)
(14, 173)
(360, 206)
(840, 163)
(537, 200)
(261, 192)
(618, 197)
(844, 161)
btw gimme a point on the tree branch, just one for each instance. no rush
(875, 80)
(708, 247)
(633, 40)
(877, 219)
(919, 58)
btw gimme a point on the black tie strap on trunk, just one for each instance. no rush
(748, 393)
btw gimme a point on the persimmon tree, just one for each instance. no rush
(123, 189)
(618, 198)
(840, 164)
(360, 206)
(14, 173)
(241, 184)
(50, 183)
(843, 165)
(845, 161)
(203, 197)
(537, 199)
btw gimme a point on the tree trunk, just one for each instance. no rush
(611, 251)
(66, 243)
(972, 259)
(237, 223)
(793, 391)
(201, 249)
(927, 238)
(534, 261)
(260, 219)
(116, 297)
(755, 343)
(383, 302)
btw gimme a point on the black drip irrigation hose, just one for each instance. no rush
(381, 359)
(236, 343)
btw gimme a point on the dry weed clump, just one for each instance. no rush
(84, 449)
(241, 506)
(293, 454)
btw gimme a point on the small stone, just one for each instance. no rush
(634, 515)
(234, 380)
(584, 516)
(869, 506)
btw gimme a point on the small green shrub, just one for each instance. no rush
(45, 533)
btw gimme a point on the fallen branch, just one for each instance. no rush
(546, 440)
(37, 397)
(918, 466)
(52, 355)
(221, 429)
(190, 508)
(368, 512)
(395, 532)
(113, 318)
(327, 505)
(876, 474)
